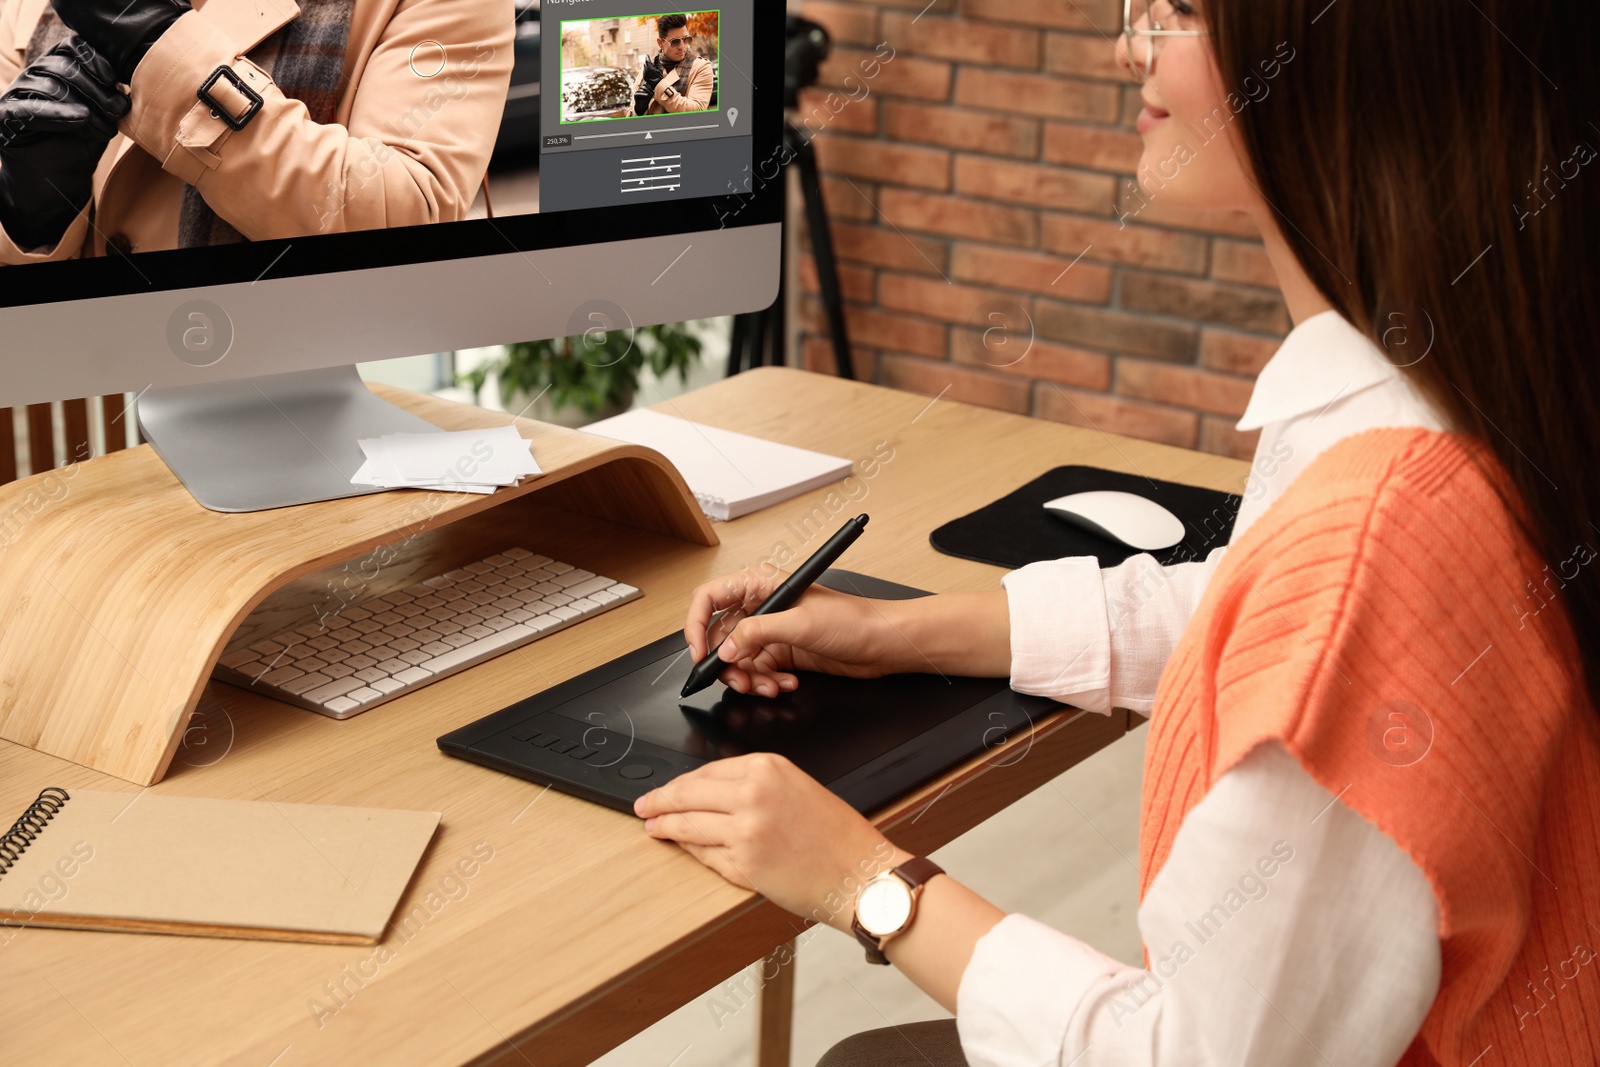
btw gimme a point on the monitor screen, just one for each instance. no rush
(366, 128)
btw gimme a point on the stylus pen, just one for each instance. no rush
(705, 672)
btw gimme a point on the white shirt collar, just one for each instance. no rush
(1322, 360)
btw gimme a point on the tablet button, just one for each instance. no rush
(563, 746)
(636, 770)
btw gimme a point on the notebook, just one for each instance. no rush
(730, 474)
(132, 862)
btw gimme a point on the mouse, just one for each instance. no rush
(1126, 518)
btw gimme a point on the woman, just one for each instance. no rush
(1372, 780)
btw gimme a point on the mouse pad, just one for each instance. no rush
(1016, 530)
(617, 731)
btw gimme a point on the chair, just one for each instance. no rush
(71, 429)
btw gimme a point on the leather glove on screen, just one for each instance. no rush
(120, 30)
(653, 73)
(55, 122)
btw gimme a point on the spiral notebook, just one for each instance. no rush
(131, 862)
(730, 474)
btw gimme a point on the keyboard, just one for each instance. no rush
(373, 651)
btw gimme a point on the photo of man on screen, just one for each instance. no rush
(140, 125)
(675, 78)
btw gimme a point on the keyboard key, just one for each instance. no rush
(623, 590)
(557, 568)
(371, 675)
(481, 567)
(235, 660)
(404, 644)
(495, 642)
(357, 648)
(572, 578)
(603, 596)
(355, 615)
(534, 561)
(367, 626)
(458, 575)
(498, 623)
(476, 631)
(387, 685)
(417, 658)
(305, 683)
(324, 642)
(584, 605)
(519, 615)
(435, 648)
(340, 705)
(312, 629)
(364, 694)
(428, 603)
(393, 666)
(497, 560)
(518, 553)
(542, 622)
(311, 663)
(557, 599)
(413, 675)
(471, 586)
(345, 634)
(457, 640)
(281, 676)
(337, 670)
(445, 629)
(440, 582)
(267, 648)
(409, 610)
(325, 693)
(590, 585)
(387, 618)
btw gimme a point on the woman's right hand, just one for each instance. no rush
(825, 631)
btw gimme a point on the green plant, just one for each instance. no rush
(592, 371)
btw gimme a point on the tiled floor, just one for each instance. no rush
(1065, 854)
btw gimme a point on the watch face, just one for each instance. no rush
(884, 905)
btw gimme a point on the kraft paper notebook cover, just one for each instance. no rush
(91, 860)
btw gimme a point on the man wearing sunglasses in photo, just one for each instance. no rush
(675, 79)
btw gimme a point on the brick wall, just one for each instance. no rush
(965, 175)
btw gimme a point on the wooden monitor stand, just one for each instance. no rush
(118, 593)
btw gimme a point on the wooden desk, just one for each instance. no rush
(578, 931)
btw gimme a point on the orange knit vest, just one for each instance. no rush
(1386, 623)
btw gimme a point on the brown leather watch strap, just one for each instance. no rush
(914, 872)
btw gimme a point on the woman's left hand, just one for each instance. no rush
(765, 825)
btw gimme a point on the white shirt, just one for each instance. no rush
(1284, 927)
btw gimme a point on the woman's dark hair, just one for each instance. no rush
(1435, 166)
(667, 23)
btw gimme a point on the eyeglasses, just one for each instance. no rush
(676, 41)
(1152, 20)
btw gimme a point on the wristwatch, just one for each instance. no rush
(887, 904)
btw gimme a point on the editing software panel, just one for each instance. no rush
(653, 106)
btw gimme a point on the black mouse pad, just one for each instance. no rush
(1016, 530)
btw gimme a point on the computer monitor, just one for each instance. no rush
(257, 227)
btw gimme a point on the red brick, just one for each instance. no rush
(1034, 185)
(965, 40)
(1139, 246)
(978, 131)
(1088, 146)
(1114, 331)
(1017, 354)
(1109, 414)
(1218, 437)
(845, 199)
(956, 216)
(1236, 353)
(1102, 15)
(942, 301)
(1244, 262)
(875, 328)
(857, 157)
(846, 23)
(1083, 55)
(857, 283)
(1046, 95)
(899, 75)
(1202, 390)
(1031, 272)
(816, 354)
(824, 109)
(884, 247)
(1260, 310)
(1154, 210)
(949, 382)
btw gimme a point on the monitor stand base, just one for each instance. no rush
(259, 443)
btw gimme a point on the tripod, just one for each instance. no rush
(758, 336)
